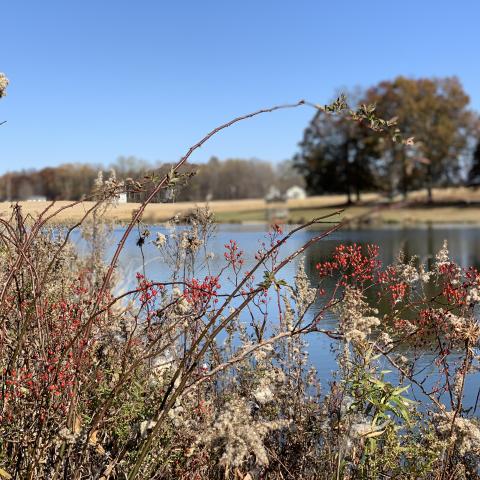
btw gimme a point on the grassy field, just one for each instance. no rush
(455, 205)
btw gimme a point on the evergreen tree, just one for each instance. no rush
(337, 156)
(474, 173)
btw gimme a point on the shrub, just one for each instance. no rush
(167, 381)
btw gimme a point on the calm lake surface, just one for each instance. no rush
(463, 242)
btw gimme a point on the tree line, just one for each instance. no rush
(337, 155)
(228, 179)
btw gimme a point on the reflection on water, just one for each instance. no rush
(463, 243)
(424, 242)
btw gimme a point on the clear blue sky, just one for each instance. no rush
(95, 79)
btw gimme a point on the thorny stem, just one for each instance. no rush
(162, 183)
(168, 403)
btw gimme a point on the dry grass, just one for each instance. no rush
(159, 212)
(452, 205)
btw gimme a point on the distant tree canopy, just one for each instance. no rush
(337, 155)
(228, 179)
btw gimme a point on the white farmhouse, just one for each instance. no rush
(295, 193)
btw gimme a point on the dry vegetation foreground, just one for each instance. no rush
(452, 205)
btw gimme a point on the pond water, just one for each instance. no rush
(463, 242)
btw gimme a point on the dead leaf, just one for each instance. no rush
(92, 439)
(77, 424)
(5, 474)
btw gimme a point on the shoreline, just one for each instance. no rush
(459, 206)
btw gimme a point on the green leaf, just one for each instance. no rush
(399, 390)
